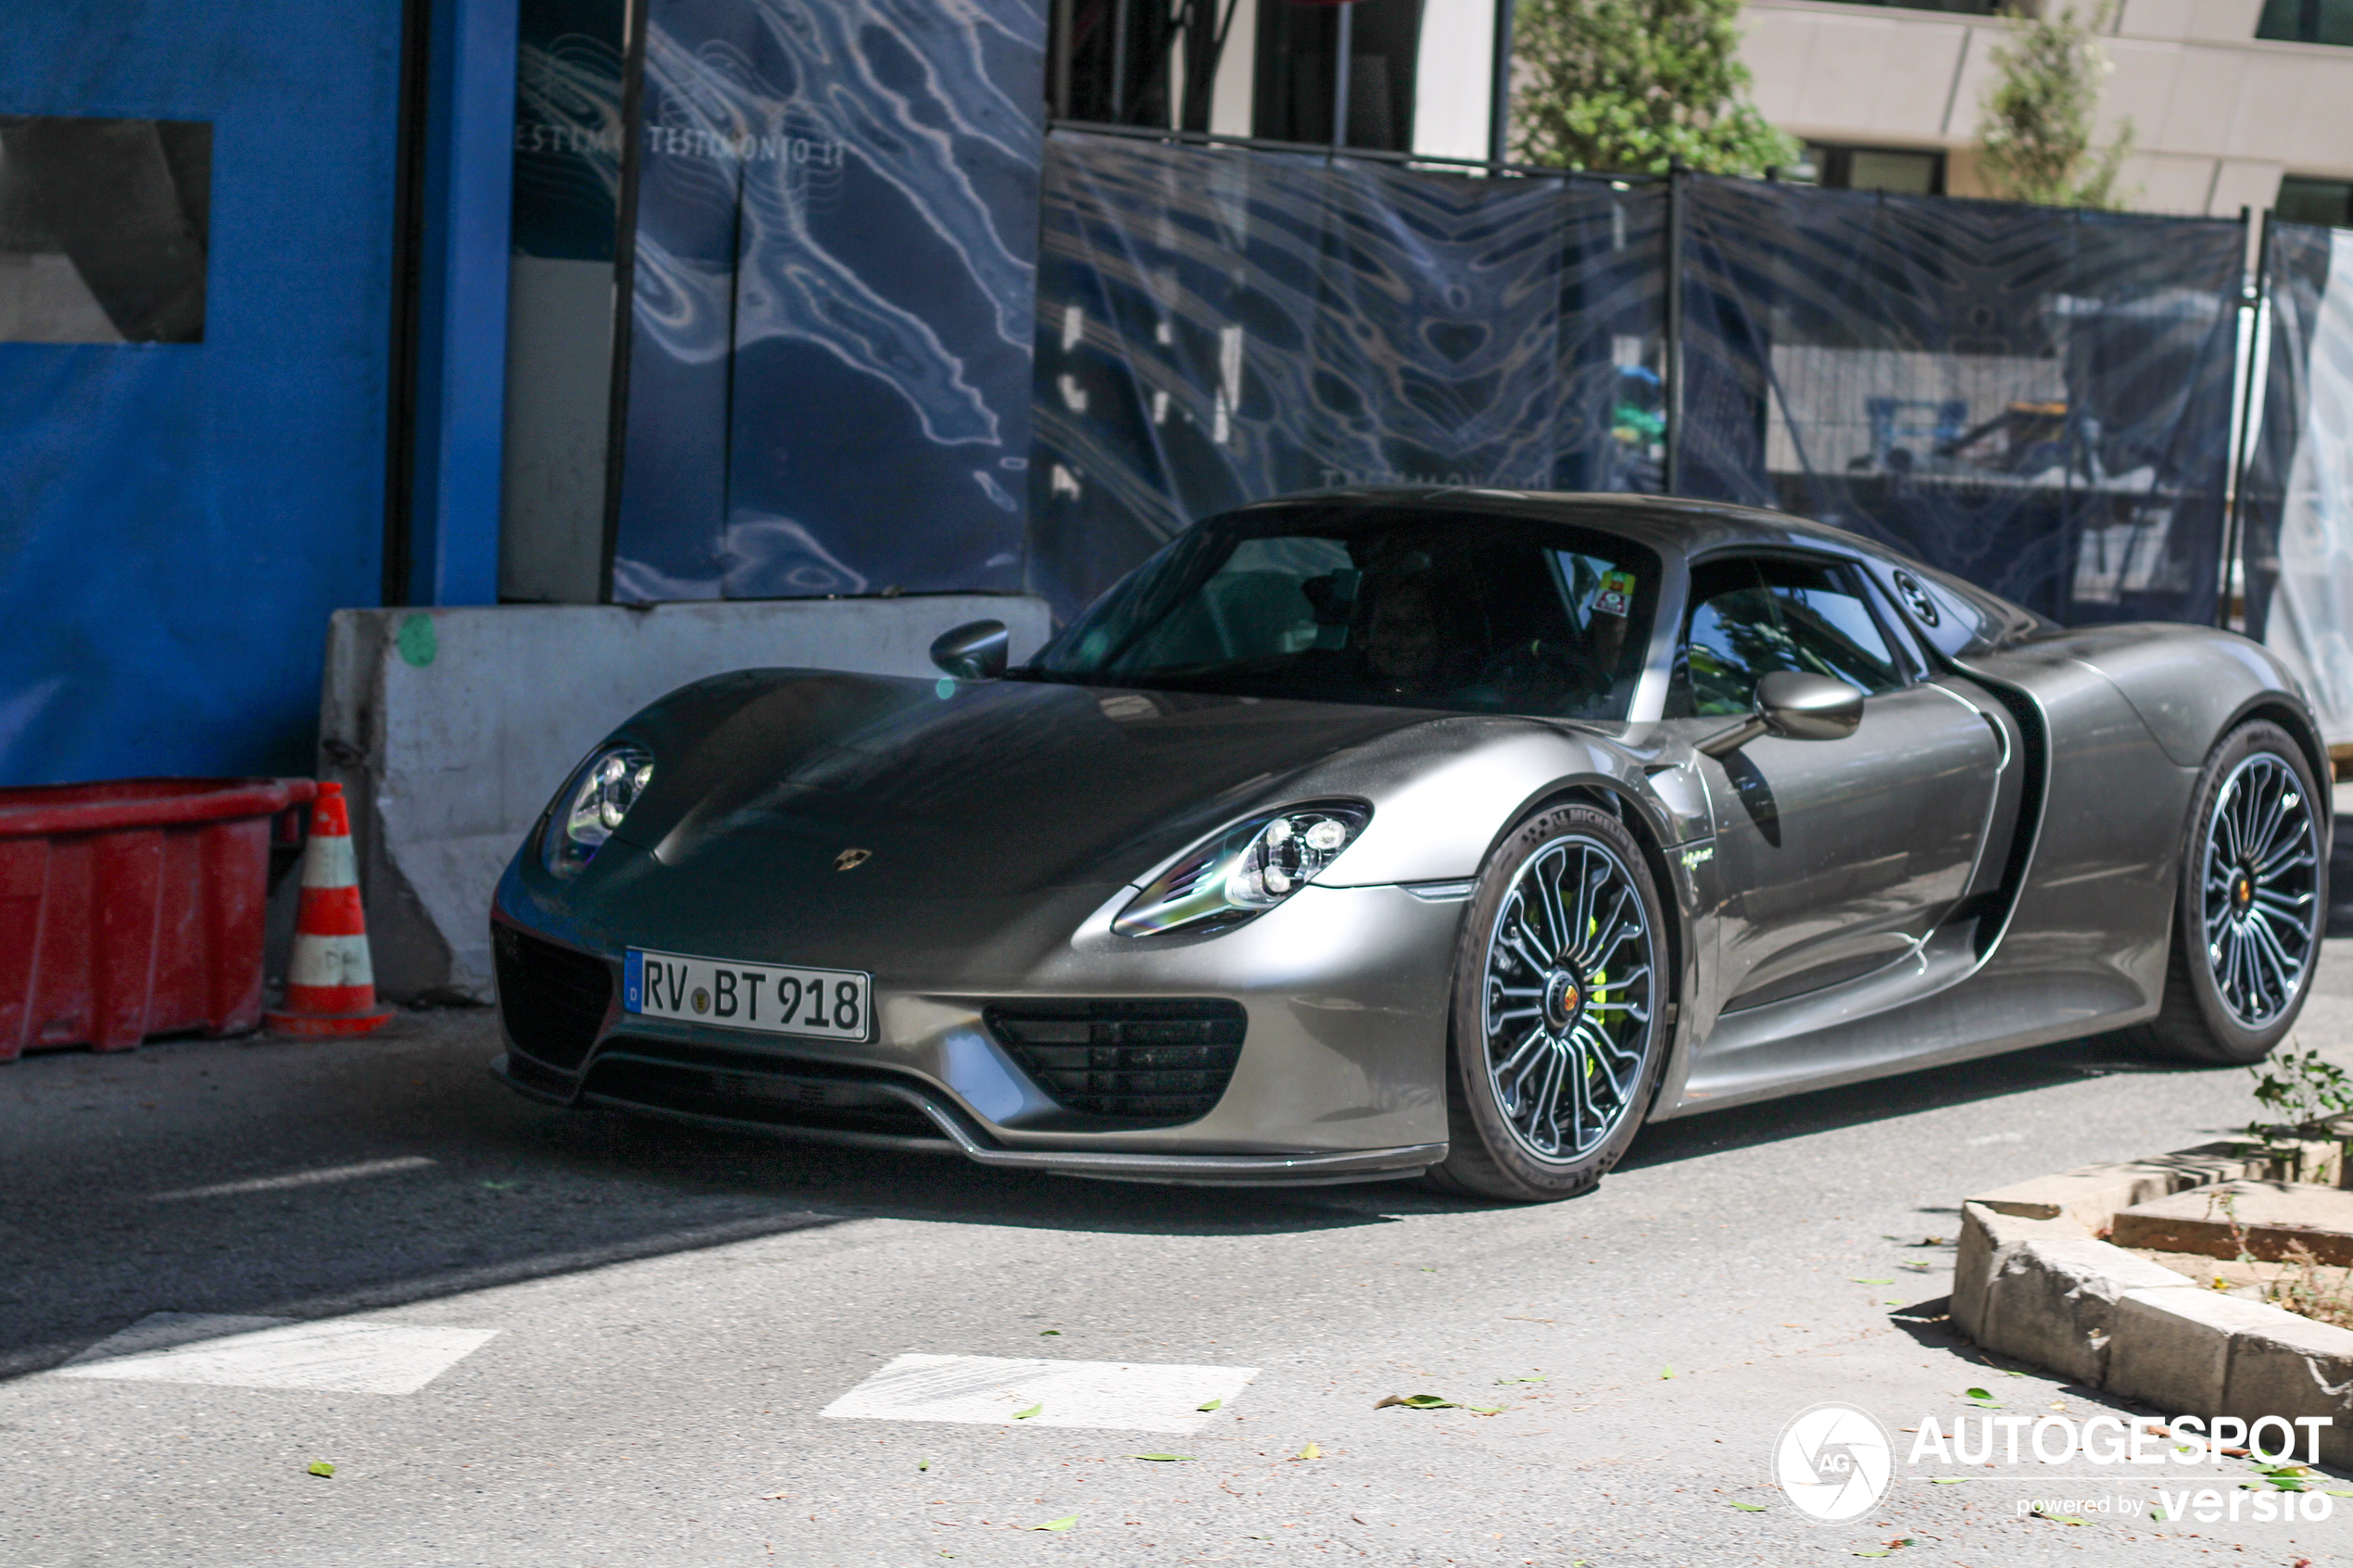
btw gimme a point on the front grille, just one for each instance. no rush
(743, 1087)
(1150, 1059)
(553, 998)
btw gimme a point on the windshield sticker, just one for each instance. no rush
(1616, 595)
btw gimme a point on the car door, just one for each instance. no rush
(1836, 858)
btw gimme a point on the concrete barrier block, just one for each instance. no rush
(1986, 1235)
(2170, 1348)
(449, 729)
(2051, 1301)
(2089, 1195)
(2293, 1367)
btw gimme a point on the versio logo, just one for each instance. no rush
(1833, 1460)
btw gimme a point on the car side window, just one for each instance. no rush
(1752, 616)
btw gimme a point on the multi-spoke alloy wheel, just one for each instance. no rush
(1560, 994)
(2261, 889)
(1569, 998)
(2253, 895)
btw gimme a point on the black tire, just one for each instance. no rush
(1599, 1037)
(2211, 1017)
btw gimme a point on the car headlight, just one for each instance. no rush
(1244, 870)
(593, 805)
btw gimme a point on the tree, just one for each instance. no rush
(2037, 125)
(1627, 86)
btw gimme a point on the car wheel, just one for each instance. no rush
(1561, 990)
(2253, 897)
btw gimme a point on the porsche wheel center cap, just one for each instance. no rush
(1564, 1000)
(2242, 891)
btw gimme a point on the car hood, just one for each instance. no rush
(988, 789)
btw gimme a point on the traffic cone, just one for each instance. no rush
(331, 987)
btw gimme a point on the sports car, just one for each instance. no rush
(1380, 831)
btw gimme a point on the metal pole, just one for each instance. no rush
(1671, 366)
(2252, 303)
(1058, 75)
(1343, 52)
(1119, 61)
(1499, 98)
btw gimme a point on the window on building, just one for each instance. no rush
(1136, 62)
(1293, 99)
(2303, 200)
(1963, 8)
(103, 229)
(2307, 21)
(1906, 172)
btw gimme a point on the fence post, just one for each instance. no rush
(2251, 315)
(1499, 100)
(1671, 358)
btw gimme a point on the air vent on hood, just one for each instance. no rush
(1151, 1060)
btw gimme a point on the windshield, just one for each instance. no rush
(1346, 603)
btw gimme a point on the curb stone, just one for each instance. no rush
(2030, 1281)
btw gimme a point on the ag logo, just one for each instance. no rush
(1833, 1460)
(851, 860)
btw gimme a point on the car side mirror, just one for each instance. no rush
(974, 651)
(1794, 707)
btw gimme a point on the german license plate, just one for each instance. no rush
(825, 1004)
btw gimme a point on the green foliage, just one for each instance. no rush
(2036, 129)
(2298, 1089)
(1627, 86)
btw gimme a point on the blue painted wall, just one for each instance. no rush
(176, 522)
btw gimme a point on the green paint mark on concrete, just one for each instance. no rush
(418, 640)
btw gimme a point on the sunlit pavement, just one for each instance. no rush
(620, 1338)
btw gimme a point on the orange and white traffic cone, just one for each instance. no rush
(331, 987)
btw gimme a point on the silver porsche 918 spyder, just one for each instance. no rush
(1371, 832)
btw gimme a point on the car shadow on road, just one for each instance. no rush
(1903, 1094)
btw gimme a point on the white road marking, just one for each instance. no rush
(334, 1356)
(1122, 1396)
(300, 1179)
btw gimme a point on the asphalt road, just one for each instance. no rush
(662, 1313)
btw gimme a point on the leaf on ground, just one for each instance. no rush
(1024, 1415)
(1665, 1372)
(1859, 1280)
(1164, 1458)
(1978, 1394)
(1210, 1406)
(1310, 1451)
(1750, 1507)
(1881, 1552)
(1506, 1381)
(773, 1496)
(1436, 1402)
(1057, 1524)
(1045, 1333)
(2334, 1492)
(2061, 1518)
(320, 1467)
(1918, 1267)
(923, 1465)
(1949, 1480)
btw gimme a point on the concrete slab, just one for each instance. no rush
(2051, 1302)
(2273, 1218)
(2090, 1193)
(998, 1390)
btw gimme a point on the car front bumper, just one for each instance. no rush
(1339, 1077)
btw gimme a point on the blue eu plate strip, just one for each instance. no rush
(633, 982)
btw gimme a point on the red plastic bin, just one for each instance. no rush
(134, 908)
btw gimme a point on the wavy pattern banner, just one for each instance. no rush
(2036, 400)
(1218, 325)
(836, 265)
